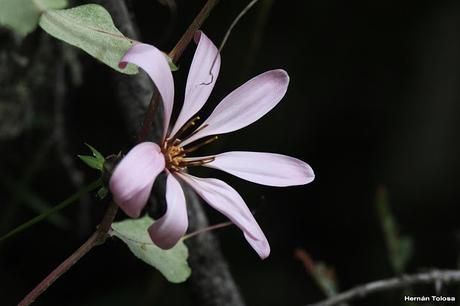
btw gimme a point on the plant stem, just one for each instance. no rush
(175, 54)
(101, 233)
(51, 211)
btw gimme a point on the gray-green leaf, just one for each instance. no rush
(22, 16)
(89, 27)
(171, 263)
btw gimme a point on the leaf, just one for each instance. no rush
(171, 263)
(22, 16)
(89, 27)
(91, 162)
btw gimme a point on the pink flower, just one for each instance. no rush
(132, 180)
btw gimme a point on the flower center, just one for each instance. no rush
(176, 155)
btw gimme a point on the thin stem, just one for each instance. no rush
(175, 54)
(229, 31)
(73, 198)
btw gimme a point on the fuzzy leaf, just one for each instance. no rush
(171, 263)
(22, 16)
(89, 27)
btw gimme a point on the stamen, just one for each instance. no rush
(185, 127)
(199, 145)
(197, 130)
(199, 162)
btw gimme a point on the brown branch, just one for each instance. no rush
(437, 277)
(179, 48)
(175, 54)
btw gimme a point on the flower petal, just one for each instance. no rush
(226, 200)
(167, 230)
(245, 105)
(201, 79)
(133, 177)
(264, 168)
(154, 62)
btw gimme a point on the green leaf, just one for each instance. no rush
(92, 162)
(96, 153)
(89, 27)
(171, 263)
(22, 16)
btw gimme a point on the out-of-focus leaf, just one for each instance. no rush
(323, 275)
(171, 263)
(22, 16)
(399, 247)
(89, 27)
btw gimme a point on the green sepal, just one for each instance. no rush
(96, 153)
(91, 162)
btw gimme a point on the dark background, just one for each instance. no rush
(373, 102)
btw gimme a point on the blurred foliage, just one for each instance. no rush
(399, 247)
(22, 16)
(323, 275)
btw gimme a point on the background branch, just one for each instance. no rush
(434, 277)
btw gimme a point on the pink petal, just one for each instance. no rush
(245, 105)
(264, 168)
(226, 200)
(132, 180)
(167, 230)
(201, 79)
(154, 62)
